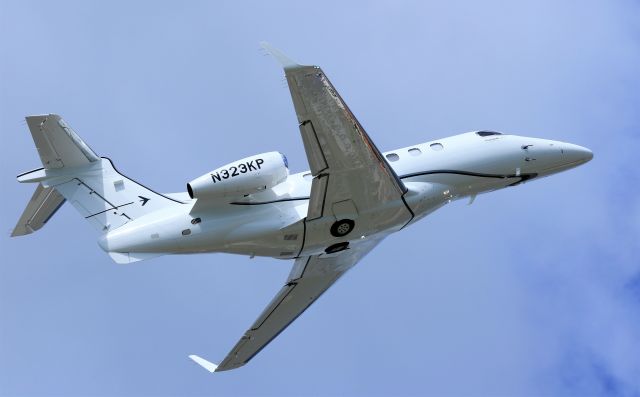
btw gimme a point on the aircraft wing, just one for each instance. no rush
(344, 161)
(310, 277)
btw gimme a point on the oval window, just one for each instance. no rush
(393, 157)
(415, 151)
(436, 146)
(487, 133)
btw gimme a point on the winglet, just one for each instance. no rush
(284, 60)
(209, 366)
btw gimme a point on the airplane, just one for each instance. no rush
(325, 219)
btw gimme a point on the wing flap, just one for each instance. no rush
(315, 155)
(317, 197)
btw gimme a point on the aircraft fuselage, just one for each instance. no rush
(270, 222)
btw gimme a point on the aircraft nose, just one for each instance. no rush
(576, 154)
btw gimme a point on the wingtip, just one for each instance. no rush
(208, 365)
(284, 60)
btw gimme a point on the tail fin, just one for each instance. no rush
(58, 145)
(106, 198)
(72, 171)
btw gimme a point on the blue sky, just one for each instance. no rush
(530, 291)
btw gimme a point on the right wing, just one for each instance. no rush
(351, 176)
(310, 277)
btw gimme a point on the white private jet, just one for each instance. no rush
(325, 219)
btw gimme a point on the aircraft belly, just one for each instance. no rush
(379, 221)
(278, 238)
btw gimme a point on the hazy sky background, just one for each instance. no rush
(530, 291)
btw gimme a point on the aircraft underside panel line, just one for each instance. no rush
(304, 236)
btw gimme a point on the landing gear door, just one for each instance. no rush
(344, 210)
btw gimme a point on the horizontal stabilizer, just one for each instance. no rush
(43, 204)
(208, 365)
(34, 176)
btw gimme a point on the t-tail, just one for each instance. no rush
(73, 172)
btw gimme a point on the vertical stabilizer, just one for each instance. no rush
(58, 145)
(75, 173)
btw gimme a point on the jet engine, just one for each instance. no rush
(241, 177)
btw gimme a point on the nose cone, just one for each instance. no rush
(545, 157)
(575, 155)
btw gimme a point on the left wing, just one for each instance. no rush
(310, 277)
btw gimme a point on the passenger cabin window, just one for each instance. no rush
(436, 146)
(487, 133)
(415, 151)
(393, 157)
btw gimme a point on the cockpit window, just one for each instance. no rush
(487, 133)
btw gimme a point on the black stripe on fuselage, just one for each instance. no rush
(523, 177)
(468, 173)
(269, 202)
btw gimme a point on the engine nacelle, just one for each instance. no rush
(245, 176)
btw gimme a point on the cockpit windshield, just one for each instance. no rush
(488, 133)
